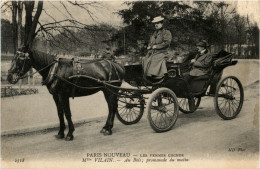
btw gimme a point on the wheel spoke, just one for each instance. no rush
(122, 112)
(229, 99)
(162, 110)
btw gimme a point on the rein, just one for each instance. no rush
(104, 83)
(73, 84)
(24, 76)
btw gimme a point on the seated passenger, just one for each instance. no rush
(201, 65)
(154, 64)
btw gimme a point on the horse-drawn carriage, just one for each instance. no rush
(170, 94)
(66, 78)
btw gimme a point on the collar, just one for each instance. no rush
(159, 30)
(203, 51)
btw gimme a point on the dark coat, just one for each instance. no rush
(162, 39)
(202, 64)
(155, 64)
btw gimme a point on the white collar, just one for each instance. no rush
(203, 51)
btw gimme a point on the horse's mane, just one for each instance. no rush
(42, 57)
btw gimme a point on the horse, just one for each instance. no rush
(62, 88)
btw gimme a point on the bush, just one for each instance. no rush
(7, 92)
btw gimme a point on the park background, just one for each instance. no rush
(81, 28)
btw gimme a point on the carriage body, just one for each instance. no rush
(174, 79)
(226, 91)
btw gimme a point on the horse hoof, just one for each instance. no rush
(102, 130)
(69, 138)
(107, 133)
(59, 136)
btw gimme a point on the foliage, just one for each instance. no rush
(83, 41)
(216, 22)
(6, 36)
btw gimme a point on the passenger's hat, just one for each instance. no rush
(157, 19)
(203, 43)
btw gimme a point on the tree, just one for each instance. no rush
(189, 22)
(33, 25)
(253, 38)
(30, 24)
(14, 24)
(6, 36)
(140, 14)
(240, 31)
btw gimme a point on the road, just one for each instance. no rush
(198, 139)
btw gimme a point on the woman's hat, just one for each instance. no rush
(203, 43)
(157, 19)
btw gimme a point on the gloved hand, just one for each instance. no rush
(149, 53)
(192, 61)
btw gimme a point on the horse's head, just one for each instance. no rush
(20, 65)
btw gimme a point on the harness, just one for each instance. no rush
(78, 68)
(79, 73)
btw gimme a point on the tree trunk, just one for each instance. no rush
(33, 27)
(20, 27)
(19, 32)
(14, 25)
(29, 5)
(222, 29)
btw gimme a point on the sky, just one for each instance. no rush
(106, 14)
(250, 8)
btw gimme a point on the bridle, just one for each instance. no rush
(24, 59)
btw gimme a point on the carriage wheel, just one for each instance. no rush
(184, 105)
(229, 98)
(162, 109)
(130, 110)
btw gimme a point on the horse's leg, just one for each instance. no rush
(112, 107)
(61, 117)
(64, 100)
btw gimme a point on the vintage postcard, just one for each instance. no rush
(130, 84)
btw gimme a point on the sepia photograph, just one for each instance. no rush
(130, 84)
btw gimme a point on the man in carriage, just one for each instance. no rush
(201, 64)
(200, 68)
(154, 64)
